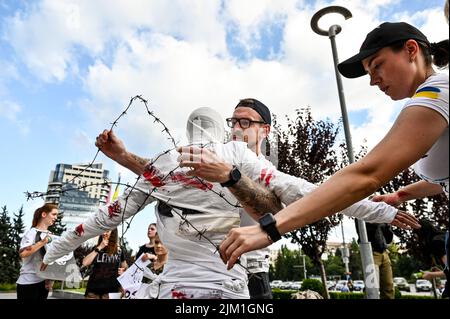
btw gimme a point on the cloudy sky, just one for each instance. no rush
(69, 68)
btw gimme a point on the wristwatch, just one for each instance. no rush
(235, 176)
(97, 250)
(268, 224)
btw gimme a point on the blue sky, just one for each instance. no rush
(68, 68)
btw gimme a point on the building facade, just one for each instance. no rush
(78, 190)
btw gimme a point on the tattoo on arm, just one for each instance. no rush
(135, 163)
(140, 160)
(256, 198)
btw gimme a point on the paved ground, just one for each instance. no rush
(12, 295)
(8, 295)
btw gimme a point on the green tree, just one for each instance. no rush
(58, 227)
(433, 209)
(306, 148)
(18, 229)
(284, 264)
(7, 250)
(406, 265)
(354, 264)
(334, 265)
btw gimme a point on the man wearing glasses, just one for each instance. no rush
(251, 123)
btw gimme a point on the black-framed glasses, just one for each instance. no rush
(243, 122)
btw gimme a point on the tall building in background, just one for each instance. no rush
(77, 204)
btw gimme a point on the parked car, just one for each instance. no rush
(275, 284)
(296, 285)
(286, 285)
(358, 285)
(401, 283)
(423, 285)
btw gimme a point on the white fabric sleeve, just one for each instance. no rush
(289, 189)
(28, 239)
(106, 218)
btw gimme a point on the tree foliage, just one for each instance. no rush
(306, 149)
(10, 238)
(433, 209)
(58, 227)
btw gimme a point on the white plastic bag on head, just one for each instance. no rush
(205, 125)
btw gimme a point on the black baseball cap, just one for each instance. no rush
(259, 107)
(384, 35)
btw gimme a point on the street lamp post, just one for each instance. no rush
(370, 276)
(304, 266)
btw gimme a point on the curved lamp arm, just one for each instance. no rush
(335, 29)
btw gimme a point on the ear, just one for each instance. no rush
(43, 214)
(266, 130)
(412, 48)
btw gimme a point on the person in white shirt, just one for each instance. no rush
(32, 250)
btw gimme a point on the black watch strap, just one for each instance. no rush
(269, 225)
(235, 176)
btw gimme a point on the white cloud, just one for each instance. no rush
(11, 110)
(9, 72)
(50, 36)
(82, 141)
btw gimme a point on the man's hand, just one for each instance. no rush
(147, 256)
(405, 220)
(49, 284)
(111, 145)
(241, 240)
(205, 164)
(392, 199)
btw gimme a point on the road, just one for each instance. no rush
(13, 295)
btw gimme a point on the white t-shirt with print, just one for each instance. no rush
(29, 264)
(433, 94)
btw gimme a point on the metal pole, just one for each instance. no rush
(372, 285)
(304, 267)
(345, 254)
(370, 275)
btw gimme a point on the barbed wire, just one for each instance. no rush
(200, 233)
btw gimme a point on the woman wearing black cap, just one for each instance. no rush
(398, 59)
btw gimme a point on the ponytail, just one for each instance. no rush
(440, 53)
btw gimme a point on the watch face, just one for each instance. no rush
(267, 219)
(235, 174)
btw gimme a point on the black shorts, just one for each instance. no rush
(33, 291)
(258, 286)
